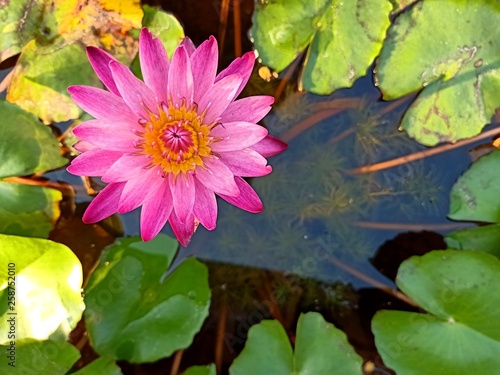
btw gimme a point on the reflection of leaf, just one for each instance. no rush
(101, 366)
(458, 71)
(474, 196)
(132, 314)
(42, 76)
(48, 288)
(320, 349)
(26, 146)
(342, 37)
(40, 357)
(28, 210)
(461, 334)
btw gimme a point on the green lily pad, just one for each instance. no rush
(29, 211)
(461, 334)
(201, 370)
(26, 145)
(458, 71)
(320, 348)
(38, 357)
(163, 26)
(42, 75)
(342, 38)
(474, 196)
(101, 366)
(485, 238)
(47, 286)
(134, 315)
(19, 23)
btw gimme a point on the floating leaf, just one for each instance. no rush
(101, 366)
(342, 37)
(19, 23)
(474, 196)
(485, 238)
(42, 76)
(461, 335)
(106, 24)
(26, 146)
(48, 281)
(201, 370)
(38, 357)
(458, 71)
(320, 348)
(29, 211)
(134, 315)
(163, 26)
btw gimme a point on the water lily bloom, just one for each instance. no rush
(172, 142)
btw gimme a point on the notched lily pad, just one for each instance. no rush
(460, 335)
(342, 38)
(134, 315)
(201, 370)
(320, 348)
(458, 71)
(101, 366)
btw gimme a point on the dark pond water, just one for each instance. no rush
(331, 236)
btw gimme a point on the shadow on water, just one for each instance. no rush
(330, 238)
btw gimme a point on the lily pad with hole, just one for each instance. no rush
(458, 72)
(320, 348)
(341, 38)
(134, 314)
(460, 333)
(45, 295)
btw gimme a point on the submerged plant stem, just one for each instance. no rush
(224, 11)
(367, 279)
(177, 362)
(238, 51)
(409, 227)
(221, 331)
(422, 154)
(284, 81)
(65, 189)
(321, 111)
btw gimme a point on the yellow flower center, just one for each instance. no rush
(175, 139)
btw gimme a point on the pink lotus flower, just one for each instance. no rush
(172, 142)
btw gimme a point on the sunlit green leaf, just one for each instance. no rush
(47, 286)
(460, 335)
(42, 76)
(474, 196)
(33, 357)
(29, 211)
(163, 26)
(485, 238)
(26, 145)
(342, 38)
(101, 366)
(135, 315)
(201, 370)
(320, 348)
(458, 71)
